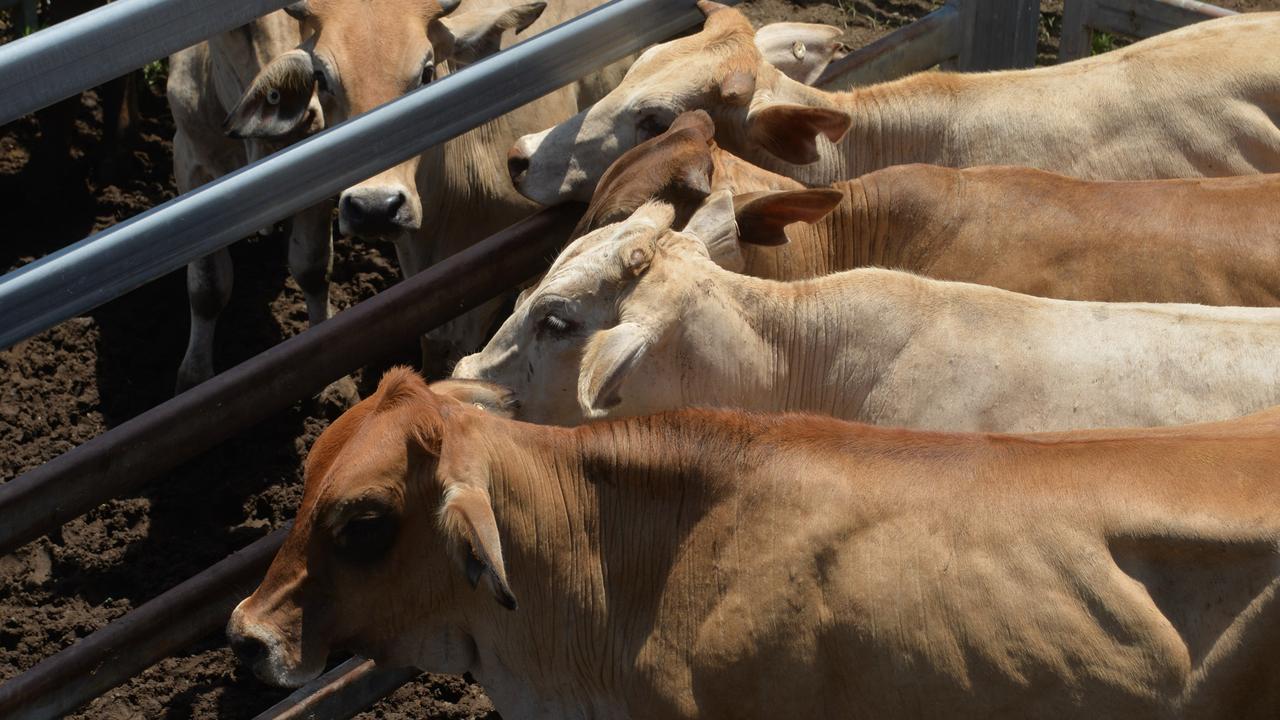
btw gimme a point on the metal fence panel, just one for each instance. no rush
(88, 273)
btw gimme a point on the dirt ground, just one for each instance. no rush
(74, 382)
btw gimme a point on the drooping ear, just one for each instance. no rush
(471, 35)
(491, 398)
(791, 131)
(277, 102)
(468, 521)
(610, 356)
(715, 226)
(761, 216)
(800, 50)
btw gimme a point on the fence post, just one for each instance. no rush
(999, 34)
(1077, 38)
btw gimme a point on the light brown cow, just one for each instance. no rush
(636, 318)
(359, 54)
(1203, 100)
(728, 565)
(205, 83)
(1214, 241)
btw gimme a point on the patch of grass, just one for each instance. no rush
(1103, 42)
(156, 74)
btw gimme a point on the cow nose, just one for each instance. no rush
(517, 165)
(249, 650)
(372, 211)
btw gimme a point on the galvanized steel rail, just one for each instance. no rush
(107, 42)
(1135, 18)
(87, 274)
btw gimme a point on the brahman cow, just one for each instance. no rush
(637, 318)
(359, 54)
(715, 564)
(1214, 241)
(355, 55)
(1203, 100)
(205, 83)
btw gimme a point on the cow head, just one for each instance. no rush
(603, 332)
(394, 530)
(357, 55)
(679, 168)
(720, 70)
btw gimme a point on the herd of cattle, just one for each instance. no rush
(1053, 251)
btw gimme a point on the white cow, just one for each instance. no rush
(1200, 101)
(635, 318)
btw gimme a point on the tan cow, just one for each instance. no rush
(1203, 100)
(205, 83)
(636, 318)
(1214, 241)
(713, 564)
(359, 54)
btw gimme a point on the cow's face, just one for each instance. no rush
(720, 70)
(379, 557)
(357, 55)
(606, 306)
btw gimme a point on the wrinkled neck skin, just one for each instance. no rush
(905, 125)
(813, 346)
(465, 190)
(569, 504)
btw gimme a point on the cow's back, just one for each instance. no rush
(1140, 112)
(1211, 241)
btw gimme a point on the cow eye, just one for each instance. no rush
(555, 326)
(322, 81)
(650, 126)
(428, 73)
(366, 537)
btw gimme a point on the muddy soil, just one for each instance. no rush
(90, 374)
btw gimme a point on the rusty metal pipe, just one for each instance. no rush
(340, 693)
(122, 459)
(160, 627)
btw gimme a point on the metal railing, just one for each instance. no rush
(1133, 18)
(107, 42)
(99, 268)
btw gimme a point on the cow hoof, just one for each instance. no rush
(338, 397)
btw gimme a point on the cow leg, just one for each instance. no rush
(209, 289)
(414, 254)
(310, 263)
(311, 259)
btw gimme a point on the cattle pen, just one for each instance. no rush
(965, 35)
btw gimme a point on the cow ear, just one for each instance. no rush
(277, 102)
(761, 216)
(491, 398)
(610, 356)
(468, 520)
(791, 131)
(800, 50)
(471, 35)
(715, 226)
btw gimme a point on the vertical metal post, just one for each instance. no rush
(1077, 39)
(999, 34)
